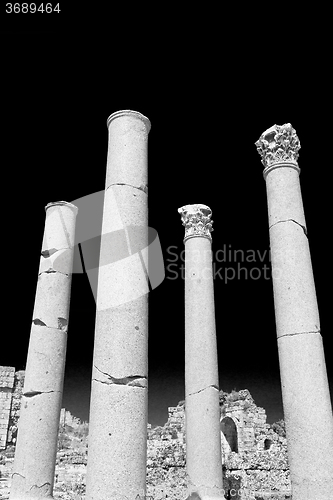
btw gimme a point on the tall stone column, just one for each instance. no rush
(119, 395)
(202, 408)
(305, 390)
(38, 425)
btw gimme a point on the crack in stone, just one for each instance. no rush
(39, 487)
(142, 187)
(291, 220)
(47, 253)
(31, 394)
(316, 332)
(50, 270)
(200, 390)
(62, 324)
(18, 474)
(131, 381)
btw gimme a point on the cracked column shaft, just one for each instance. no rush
(119, 393)
(305, 391)
(38, 426)
(202, 409)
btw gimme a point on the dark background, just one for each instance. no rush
(207, 108)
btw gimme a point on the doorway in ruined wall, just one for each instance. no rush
(229, 429)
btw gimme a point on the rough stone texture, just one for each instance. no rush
(36, 446)
(305, 392)
(119, 394)
(15, 408)
(6, 389)
(11, 386)
(204, 465)
(258, 470)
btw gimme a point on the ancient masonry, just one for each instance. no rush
(11, 386)
(254, 456)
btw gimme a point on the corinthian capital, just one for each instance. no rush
(279, 144)
(197, 221)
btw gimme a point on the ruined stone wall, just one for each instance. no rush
(260, 464)
(11, 386)
(15, 407)
(7, 374)
(66, 418)
(254, 456)
(249, 421)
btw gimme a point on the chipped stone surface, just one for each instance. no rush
(36, 446)
(52, 298)
(256, 470)
(36, 466)
(58, 261)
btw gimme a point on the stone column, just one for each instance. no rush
(305, 390)
(202, 408)
(119, 395)
(38, 425)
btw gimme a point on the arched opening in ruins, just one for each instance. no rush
(229, 430)
(267, 444)
(174, 434)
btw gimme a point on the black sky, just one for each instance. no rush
(58, 90)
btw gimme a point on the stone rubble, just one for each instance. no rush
(256, 471)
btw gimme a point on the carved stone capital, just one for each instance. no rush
(279, 146)
(197, 221)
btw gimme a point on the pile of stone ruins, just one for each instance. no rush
(254, 456)
(117, 452)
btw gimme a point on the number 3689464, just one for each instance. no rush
(31, 8)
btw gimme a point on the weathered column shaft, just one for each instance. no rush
(38, 425)
(202, 409)
(305, 390)
(119, 395)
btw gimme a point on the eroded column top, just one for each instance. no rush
(197, 221)
(278, 146)
(66, 203)
(129, 112)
